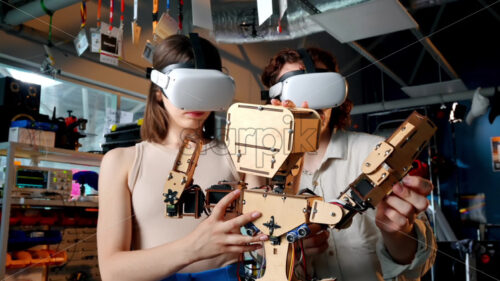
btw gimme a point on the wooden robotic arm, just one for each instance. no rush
(387, 164)
(175, 193)
(286, 217)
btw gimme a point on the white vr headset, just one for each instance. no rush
(320, 89)
(195, 89)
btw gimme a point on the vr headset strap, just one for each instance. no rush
(307, 60)
(199, 59)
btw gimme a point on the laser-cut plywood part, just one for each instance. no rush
(387, 164)
(391, 160)
(260, 138)
(280, 212)
(181, 175)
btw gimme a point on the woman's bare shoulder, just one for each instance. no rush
(122, 157)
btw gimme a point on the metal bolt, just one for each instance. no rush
(304, 210)
(384, 175)
(315, 211)
(346, 199)
(404, 128)
(273, 160)
(377, 146)
(333, 214)
(243, 202)
(228, 122)
(367, 164)
(260, 108)
(178, 162)
(369, 199)
(273, 149)
(387, 152)
(170, 176)
(238, 154)
(264, 195)
(183, 181)
(404, 169)
(284, 198)
(290, 131)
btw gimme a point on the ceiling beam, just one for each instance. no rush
(367, 55)
(435, 53)
(34, 10)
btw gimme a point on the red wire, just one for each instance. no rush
(238, 268)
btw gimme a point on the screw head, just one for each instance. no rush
(333, 214)
(367, 164)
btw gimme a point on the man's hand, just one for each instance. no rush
(288, 103)
(317, 241)
(396, 215)
(397, 212)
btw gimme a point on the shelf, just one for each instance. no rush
(51, 203)
(51, 154)
(13, 150)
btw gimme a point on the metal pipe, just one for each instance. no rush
(435, 53)
(413, 102)
(367, 55)
(34, 9)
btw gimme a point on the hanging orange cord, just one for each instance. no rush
(155, 14)
(111, 8)
(83, 13)
(99, 3)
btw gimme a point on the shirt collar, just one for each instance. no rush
(337, 147)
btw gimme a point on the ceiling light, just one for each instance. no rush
(30, 77)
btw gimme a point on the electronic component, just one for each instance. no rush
(36, 181)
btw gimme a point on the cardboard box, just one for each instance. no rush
(33, 137)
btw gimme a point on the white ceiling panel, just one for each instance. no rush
(372, 18)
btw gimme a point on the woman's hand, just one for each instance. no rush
(216, 236)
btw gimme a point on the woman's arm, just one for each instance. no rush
(114, 231)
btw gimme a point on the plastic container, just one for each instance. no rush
(30, 220)
(35, 237)
(58, 258)
(20, 259)
(39, 257)
(48, 220)
(8, 260)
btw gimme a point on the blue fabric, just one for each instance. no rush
(227, 273)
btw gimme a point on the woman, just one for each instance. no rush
(135, 240)
(394, 241)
